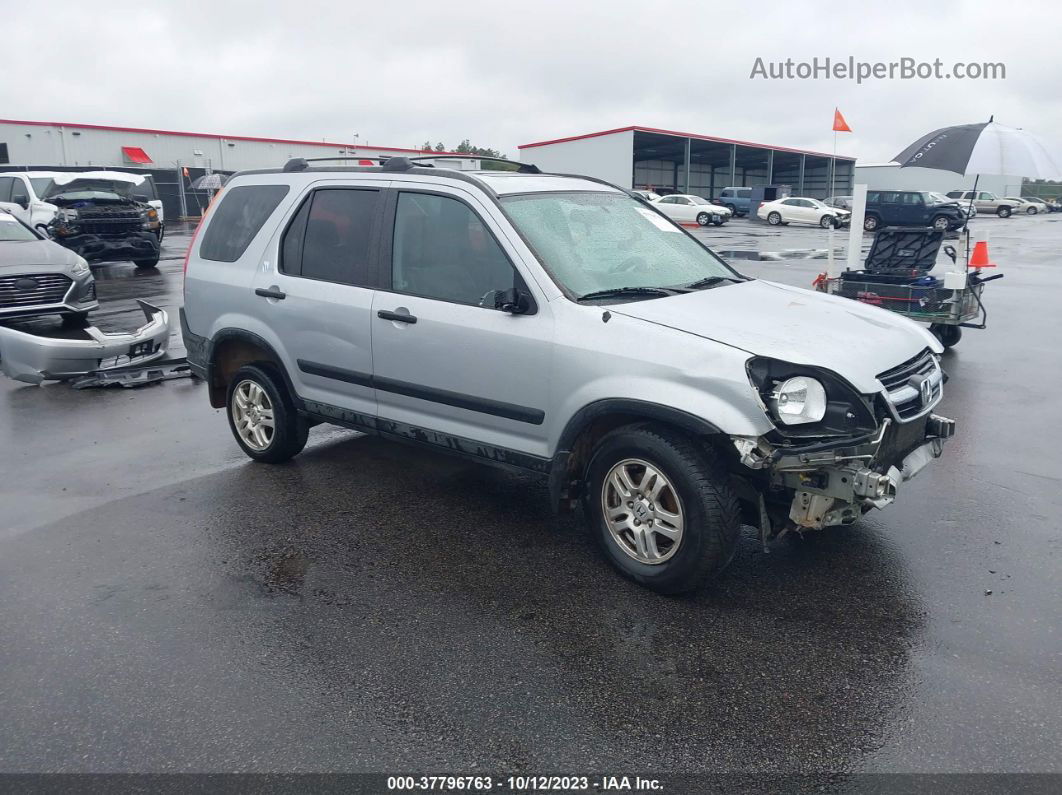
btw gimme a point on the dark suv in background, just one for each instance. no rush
(910, 208)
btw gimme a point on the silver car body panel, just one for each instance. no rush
(33, 359)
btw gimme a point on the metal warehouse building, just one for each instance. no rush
(670, 162)
(165, 153)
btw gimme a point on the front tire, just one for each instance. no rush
(262, 416)
(774, 218)
(1003, 212)
(703, 219)
(732, 208)
(145, 264)
(827, 221)
(75, 319)
(661, 509)
(871, 223)
(941, 223)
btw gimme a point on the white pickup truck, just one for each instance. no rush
(25, 194)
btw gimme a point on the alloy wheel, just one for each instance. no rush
(642, 510)
(252, 414)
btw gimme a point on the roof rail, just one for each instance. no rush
(522, 168)
(303, 163)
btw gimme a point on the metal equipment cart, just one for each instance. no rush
(895, 276)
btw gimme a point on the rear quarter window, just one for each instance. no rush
(238, 219)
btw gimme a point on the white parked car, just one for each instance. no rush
(687, 208)
(648, 195)
(1024, 205)
(802, 211)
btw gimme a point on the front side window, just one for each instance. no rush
(5, 188)
(603, 241)
(329, 237)
(441, 249)
(238, 219)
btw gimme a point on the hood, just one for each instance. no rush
(35, 256)
(851, 339)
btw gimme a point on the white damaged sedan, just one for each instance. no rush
(802, 211)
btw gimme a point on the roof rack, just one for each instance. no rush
(522, 168)
(405, 163)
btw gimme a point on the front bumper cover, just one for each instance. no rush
(32, 359)
(835, 484)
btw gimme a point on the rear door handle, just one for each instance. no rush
(271, 292)
(397, 316)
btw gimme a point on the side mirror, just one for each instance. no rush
(515, 301)
(950, 251)
(23, 202)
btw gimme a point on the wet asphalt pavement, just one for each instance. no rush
(170, 606)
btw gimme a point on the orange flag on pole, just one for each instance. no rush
(839, 124)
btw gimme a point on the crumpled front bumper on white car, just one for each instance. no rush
(33, 359)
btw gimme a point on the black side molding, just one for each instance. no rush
(495, 408)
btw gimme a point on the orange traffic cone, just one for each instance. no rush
(979, 259)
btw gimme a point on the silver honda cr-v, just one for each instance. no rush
(560, 325)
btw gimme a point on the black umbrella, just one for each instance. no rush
(985, 148)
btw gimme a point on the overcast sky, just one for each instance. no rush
(503, 74)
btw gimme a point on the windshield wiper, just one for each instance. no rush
(615, 292)
(710, 281)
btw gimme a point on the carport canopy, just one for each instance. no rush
(668, 162)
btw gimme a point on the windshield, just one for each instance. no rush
(604, 241)
(700, 200)
(11, 231)
(940, 198)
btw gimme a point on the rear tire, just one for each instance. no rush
(1003, 212)
(687, 489)
(774, 218)
(257, 396)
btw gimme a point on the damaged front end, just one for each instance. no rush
(33, 359)
(803, 482)
(102, 226)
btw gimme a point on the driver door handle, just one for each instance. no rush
(396, 316)
(271, 292)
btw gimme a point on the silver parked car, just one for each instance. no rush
(557, 325)
(39, 277)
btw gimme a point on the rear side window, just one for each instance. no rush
(238, 219)
(330, 236)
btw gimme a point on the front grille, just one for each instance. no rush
(903, 385)
(108, 223)
(47, 288)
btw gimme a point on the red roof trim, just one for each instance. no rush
(638, 128)
(151, 131)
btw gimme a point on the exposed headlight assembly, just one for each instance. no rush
(799, 400)
(80, 267)
(809, 401)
